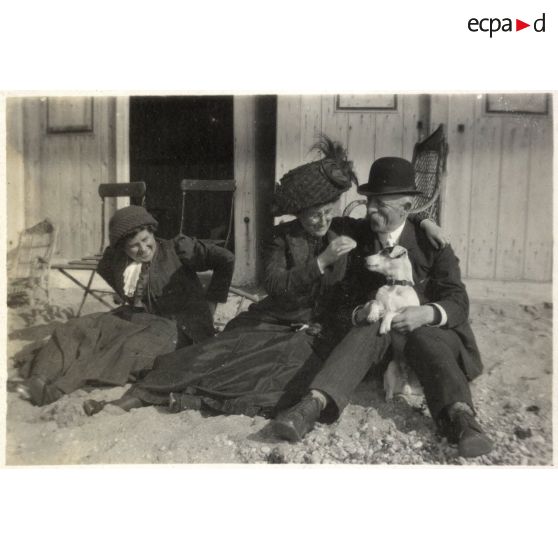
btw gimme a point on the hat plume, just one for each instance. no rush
(335, 165)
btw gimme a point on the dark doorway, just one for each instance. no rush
(178, 137)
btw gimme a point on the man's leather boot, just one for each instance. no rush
(296, 422)
(468, 434)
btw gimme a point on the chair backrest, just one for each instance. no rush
(122, 189)
(429, 162)
(206, 186)
(133, 190)
(33, 255)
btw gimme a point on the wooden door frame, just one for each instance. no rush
(122, 144)
(245, 211)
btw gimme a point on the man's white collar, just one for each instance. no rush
(391, 238)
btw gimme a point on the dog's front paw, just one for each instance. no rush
(374, 312)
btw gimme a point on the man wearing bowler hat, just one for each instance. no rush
(440, 345)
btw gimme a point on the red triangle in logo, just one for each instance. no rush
(519, 25)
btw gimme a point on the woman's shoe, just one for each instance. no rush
(23, 391)
(183, 401)
(92, 407)
(41, 392)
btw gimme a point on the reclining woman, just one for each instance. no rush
(267, 357)
(164, 308)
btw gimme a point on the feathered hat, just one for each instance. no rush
(315, 183)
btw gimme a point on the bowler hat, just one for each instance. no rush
(390, 175)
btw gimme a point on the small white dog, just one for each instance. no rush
(394, 264)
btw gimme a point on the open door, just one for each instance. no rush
(162, 140)
(178, 137)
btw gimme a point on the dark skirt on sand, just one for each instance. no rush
(257, 366)
(99, 349)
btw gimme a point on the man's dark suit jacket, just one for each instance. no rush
(437, 279)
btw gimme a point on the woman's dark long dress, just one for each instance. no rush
(110, 348)
(266, 357)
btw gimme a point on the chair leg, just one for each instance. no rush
(87, 288)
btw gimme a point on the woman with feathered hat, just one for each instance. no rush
(266, 357)
(164, 307)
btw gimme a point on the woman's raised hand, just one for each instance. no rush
(337, 248)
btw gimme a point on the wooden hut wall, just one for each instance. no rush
(57, 167)
(497, 203)
(366, 134)
(497, 199)
(15, 173)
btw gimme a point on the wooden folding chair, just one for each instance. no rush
(429, 162)
(207, 186)
(135, 191)
(210, 186)
(30, 268)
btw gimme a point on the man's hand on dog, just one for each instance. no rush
(412, 318)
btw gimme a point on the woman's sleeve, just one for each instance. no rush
(418, 218)
(279, 278)
(205, 256)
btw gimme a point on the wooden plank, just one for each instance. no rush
(456, 207)
(538, 237)
(311, 126)
(62, 173)
(70, 114)
(410, 115)
(76, 264)
(361, 139)
(335, 125)
(360, 148)
(513, 197)
(523, 292)
(122, 138)
(114, 166)
(484, 193)
(89, 165)
(439, 114)
(32, 145)
(439, 110)
(389, 133)
(245, 229)
(288, 134)
(15, 172)
(73, 163)
(58, 181)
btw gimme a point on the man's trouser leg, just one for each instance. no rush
(347, 365)
(433, 354)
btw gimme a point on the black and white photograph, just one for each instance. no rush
(278, 278)
(310, 279)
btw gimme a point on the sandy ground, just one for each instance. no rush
(513, 399)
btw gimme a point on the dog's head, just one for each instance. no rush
(384, 259)
(392, 261)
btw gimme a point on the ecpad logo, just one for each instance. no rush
(494, 24)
